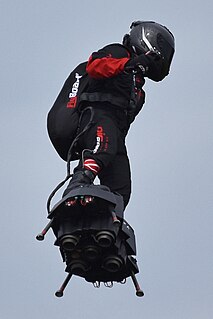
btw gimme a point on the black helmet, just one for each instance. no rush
(147, 36)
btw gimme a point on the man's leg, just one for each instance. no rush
(98, 146)
(117, 176)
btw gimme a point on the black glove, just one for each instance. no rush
(149, 64)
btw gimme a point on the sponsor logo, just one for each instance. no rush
(99, 138)
(98, 143)
(100, 133)
(73, 94)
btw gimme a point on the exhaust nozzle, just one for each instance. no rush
(69, 242)
(78, 267)
(112, 263)
(105, 238)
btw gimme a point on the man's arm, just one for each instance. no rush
(107, 62)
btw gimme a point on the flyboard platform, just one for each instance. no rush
(95, 241)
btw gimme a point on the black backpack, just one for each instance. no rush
(63, 117)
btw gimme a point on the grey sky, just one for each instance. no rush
(170, 148)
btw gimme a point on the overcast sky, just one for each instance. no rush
(170, 149)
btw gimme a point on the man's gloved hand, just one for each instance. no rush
(149, 64)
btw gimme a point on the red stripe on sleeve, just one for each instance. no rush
(105, 67)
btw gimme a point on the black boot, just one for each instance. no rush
(80, 178)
